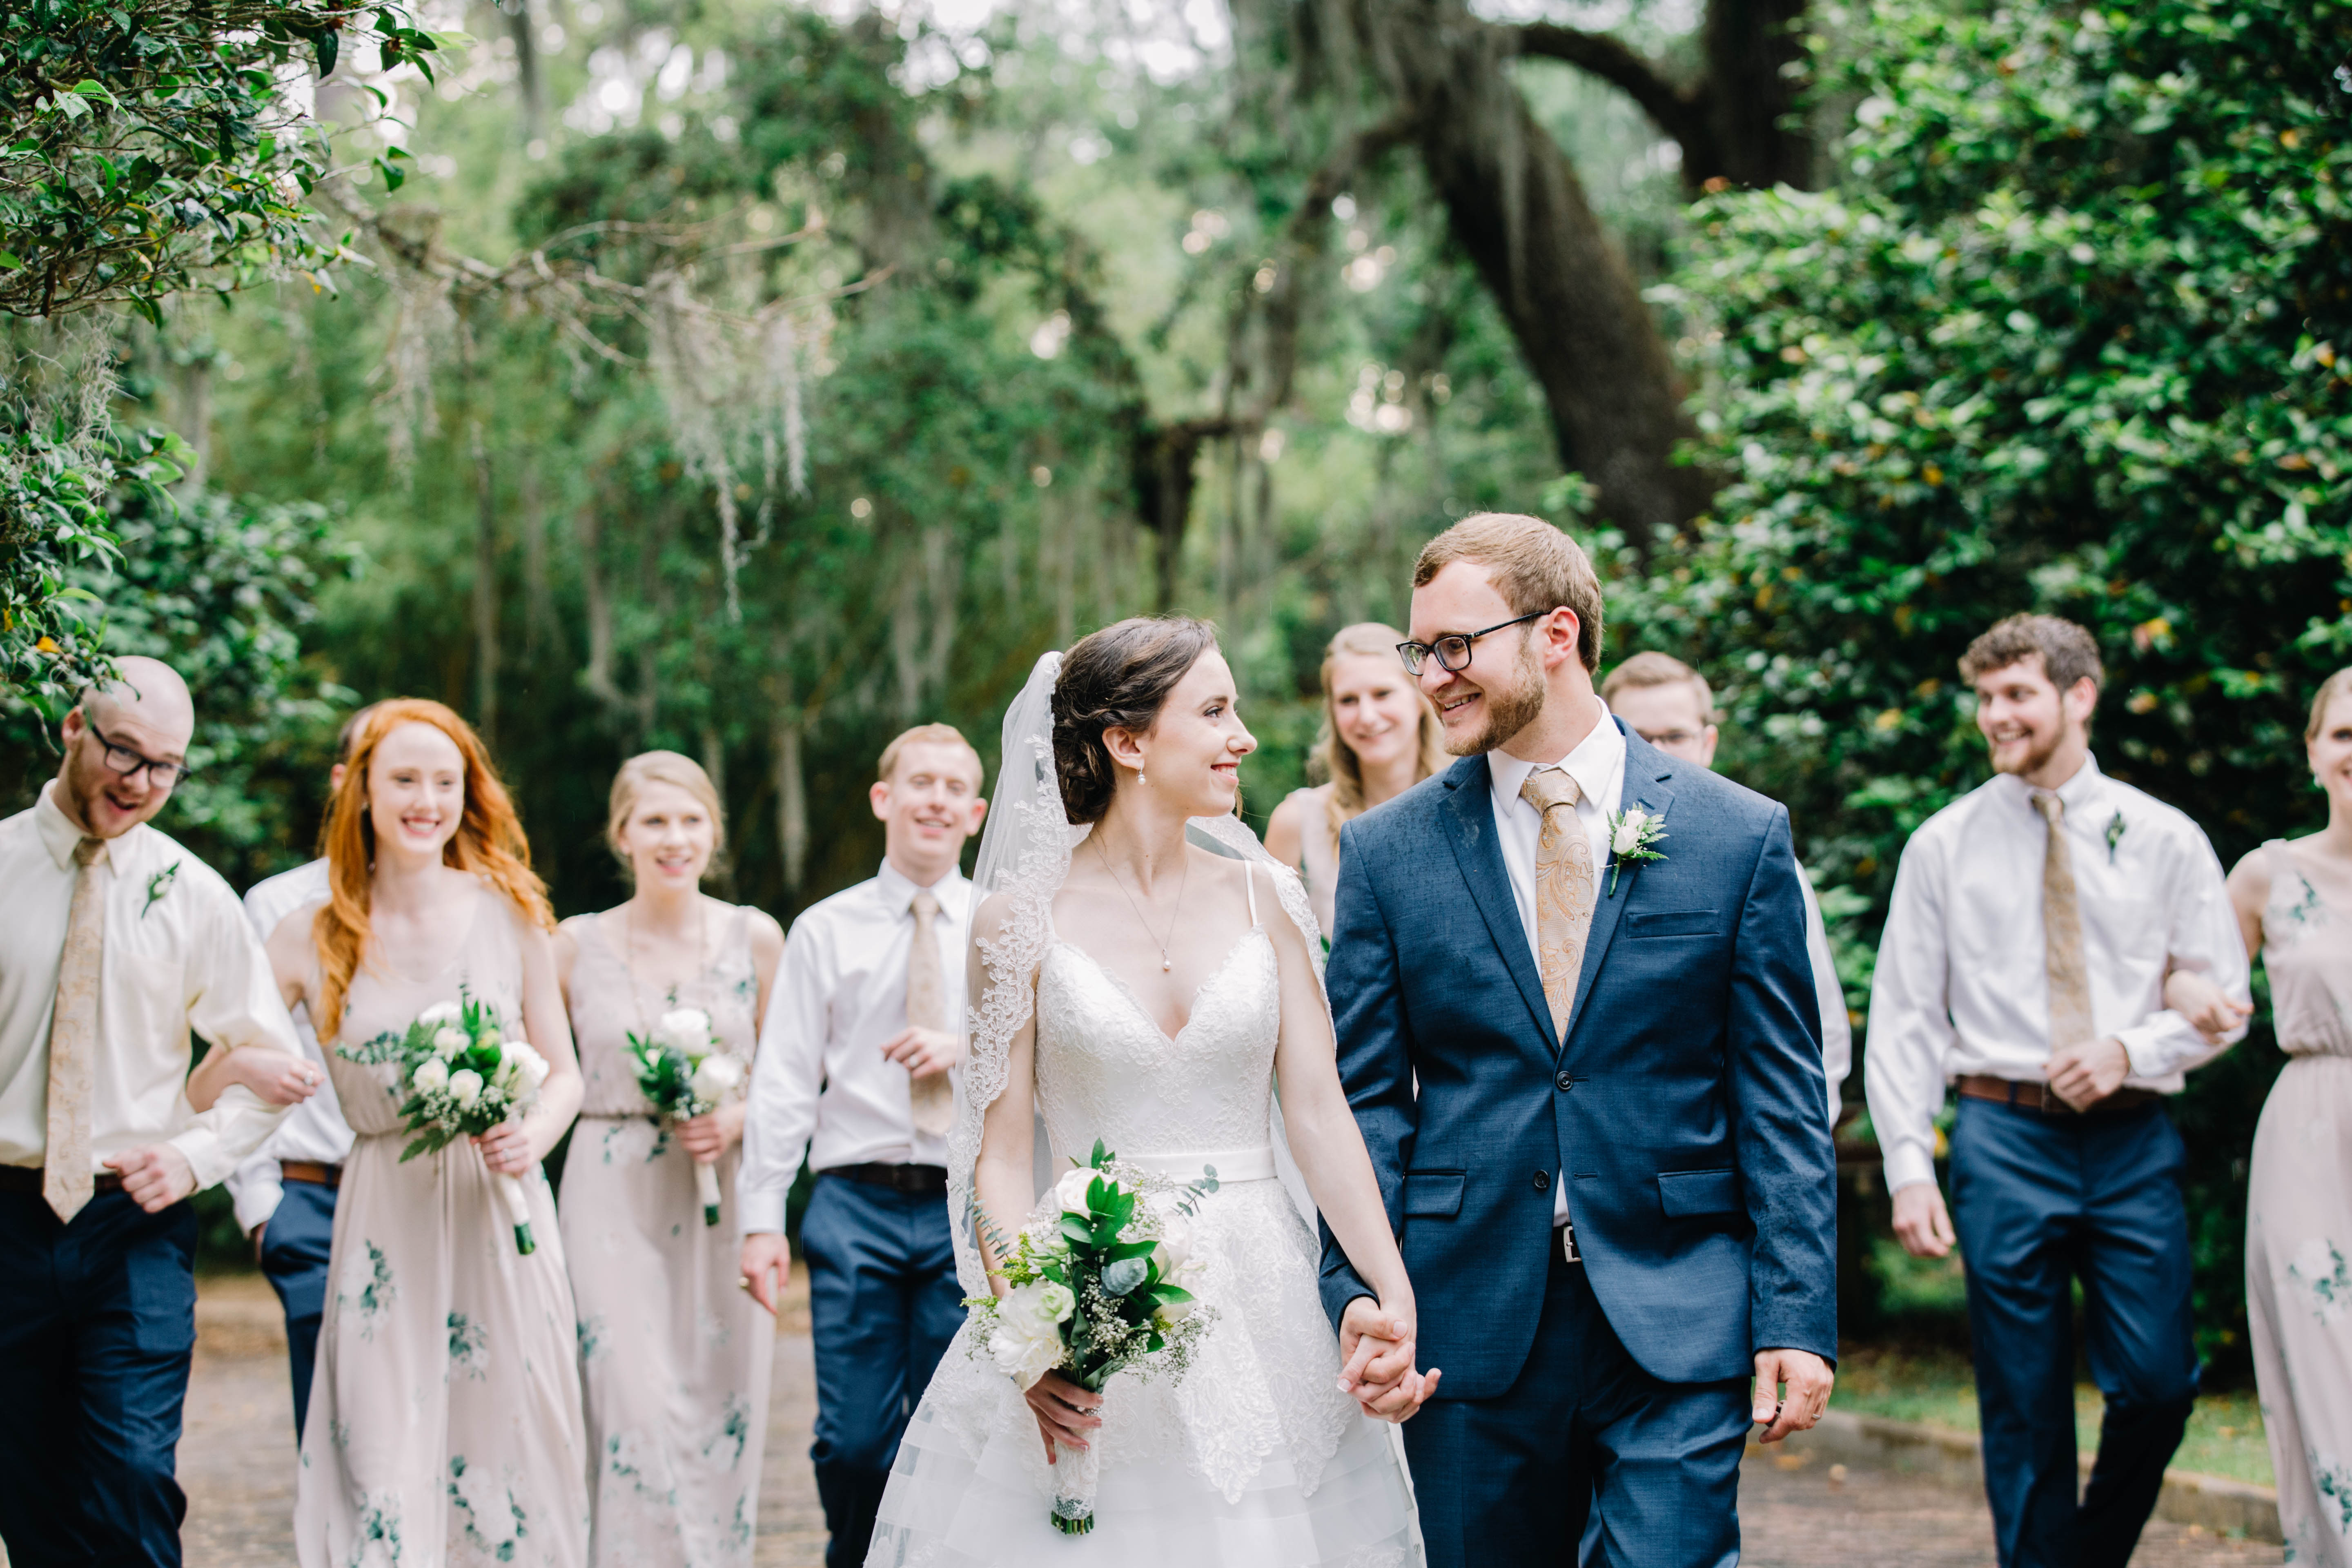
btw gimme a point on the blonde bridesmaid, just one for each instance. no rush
(674, 1357)
(1379, 737)
(444, 1424)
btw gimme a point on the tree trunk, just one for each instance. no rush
(486, 591)
(1748, 92)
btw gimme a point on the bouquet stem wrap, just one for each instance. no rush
(517, 1200)
(1077, 1473)
(705, 1189)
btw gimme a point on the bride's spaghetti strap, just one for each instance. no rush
(1249, 880)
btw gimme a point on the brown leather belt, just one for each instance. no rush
(312, 1172)
(2026, 1095)
(27, 1179)
(898, 1178)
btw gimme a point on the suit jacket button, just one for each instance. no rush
(1565, 1082)
(1543, 1180)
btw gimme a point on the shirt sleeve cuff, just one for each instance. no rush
(762, 1211)
(1907, 1163)
(255, 1196)
(204, 1155)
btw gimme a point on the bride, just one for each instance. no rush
(1131, 987)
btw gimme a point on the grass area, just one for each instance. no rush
(1936, 1389)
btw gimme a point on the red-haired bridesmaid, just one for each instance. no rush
(445, 1424)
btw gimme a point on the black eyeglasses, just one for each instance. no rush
(1453, 651)
(130, 764)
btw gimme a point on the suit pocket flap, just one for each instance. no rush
(1698, 1192)
(1672, 923)
(1434, 1194)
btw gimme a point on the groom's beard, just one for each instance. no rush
(1509, 708)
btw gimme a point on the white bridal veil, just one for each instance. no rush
(1024, 858)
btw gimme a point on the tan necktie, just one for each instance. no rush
(2062, 935)
(65, 1176)
(1565, 881)
(927, 1008)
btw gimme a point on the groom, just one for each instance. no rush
(1591, 1091)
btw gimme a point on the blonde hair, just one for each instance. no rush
(1653, 668)
(2337, 685)
(928, 735)
(671, 768)
(1337, 761)
(488, 842)
(1534, 566)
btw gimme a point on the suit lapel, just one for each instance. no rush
(1469, 816)
(1647, 769)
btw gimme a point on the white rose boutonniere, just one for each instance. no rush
(158, 885)
(1634, 835)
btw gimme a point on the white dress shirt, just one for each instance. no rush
(178, 956)
(315, 1130)
(1961, 986)
(820, 1084)
(1837, 1030)
(1597, 766)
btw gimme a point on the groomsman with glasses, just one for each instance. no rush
(2034, 921)
(853, 1070)
(117, 943)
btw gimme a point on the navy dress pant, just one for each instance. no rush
(1587, 1458)
(883, 1304)
(98, 1324)
(2037, 1202)
(294, 1248)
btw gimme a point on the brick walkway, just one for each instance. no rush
(238, 1464)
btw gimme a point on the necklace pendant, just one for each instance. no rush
(1165, 966)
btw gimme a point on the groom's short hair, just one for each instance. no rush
(1533, 565)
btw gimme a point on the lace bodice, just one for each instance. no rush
(1105, 1069)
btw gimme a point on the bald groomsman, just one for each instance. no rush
(118, 942)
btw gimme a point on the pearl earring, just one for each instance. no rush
(1139, 777)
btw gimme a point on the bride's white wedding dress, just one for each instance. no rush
(1255, 1458)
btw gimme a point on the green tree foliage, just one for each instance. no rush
(2065, 337)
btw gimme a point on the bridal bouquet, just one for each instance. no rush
(686, 1072)
(1098, 1287)
(462, 1075)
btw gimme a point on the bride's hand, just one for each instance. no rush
(1063, 1410)
(1378, 1345)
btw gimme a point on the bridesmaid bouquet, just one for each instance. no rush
(1097, 1289)
(463, 1075)
(686, 1072)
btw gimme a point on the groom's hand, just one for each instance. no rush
(1376, 1352)
(1807, 1379)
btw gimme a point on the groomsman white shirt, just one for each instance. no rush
(822, 1084)
(314, 1129)
(1961, 986)
(178, 956)
(1837, 1030)
(1597, 766)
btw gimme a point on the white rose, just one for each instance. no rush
(1175, 1250)
(524, 1070)
(1026, 1342)
(715, 1078)
(688, 1028)
(1170, 1313)
(464, 1086)
(431, 1076)
(1056, 1301)
(1070, 1192)
(447, 1043)
(1629, 832)
(441, 1013)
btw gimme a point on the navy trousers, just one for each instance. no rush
(294, 1248)
(2038, 1201)
(1587, 1458)
(98, 1324)
(883, 1304)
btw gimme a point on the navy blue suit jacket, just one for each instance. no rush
(1686, 1109)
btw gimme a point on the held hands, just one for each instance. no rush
(924, 1052)
(1065, 1411)
(506, 1149)
(766, 1264)
(1376, 1352)
(155, 1177)
(2203, 1003)
(276, 1078)
(1921, 1222)
(1807, 1379)
(2082, 1075)
(706, 1138)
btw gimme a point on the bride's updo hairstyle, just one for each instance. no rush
(1116, 678)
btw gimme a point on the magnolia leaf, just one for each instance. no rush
(324, 43)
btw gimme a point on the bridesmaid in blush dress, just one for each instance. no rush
(674, 1358)
(444, 1424)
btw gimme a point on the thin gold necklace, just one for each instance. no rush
(1174, 914)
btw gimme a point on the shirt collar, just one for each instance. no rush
(60, 833)
(898, 889)
(2078, 793)
(1593, 764)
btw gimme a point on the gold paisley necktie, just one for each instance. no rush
(1565, 882)
(2062, 935)
(67, 1181)
(933, 1097)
